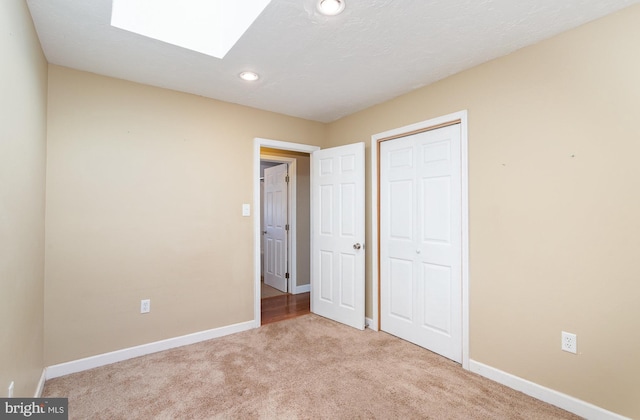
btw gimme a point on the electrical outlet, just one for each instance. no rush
(10, 390)
(145, 306)
(569, 342)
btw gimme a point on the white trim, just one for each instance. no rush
(40, 387)
(305, 288)
(292, 170)
(144, 349)
(285, 145)
(374, 236)
(368, 322)
(257, 144)
(462, 116)
(548, 395)
(464, 152)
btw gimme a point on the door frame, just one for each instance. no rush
(272, 144)
(376, 139)
(291, 217)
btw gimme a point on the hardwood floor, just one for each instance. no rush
(279, 308)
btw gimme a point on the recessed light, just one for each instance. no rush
(249, 76)
(330, 7)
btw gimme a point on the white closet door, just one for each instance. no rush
(420, 240)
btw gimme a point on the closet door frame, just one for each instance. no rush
(432, 124)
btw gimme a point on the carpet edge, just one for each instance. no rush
(103, 359)
(542, 393)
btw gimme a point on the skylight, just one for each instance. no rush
(210, 27)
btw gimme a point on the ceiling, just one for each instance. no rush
(312, 66)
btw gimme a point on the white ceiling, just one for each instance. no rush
(312, 66)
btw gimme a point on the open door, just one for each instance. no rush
(275, 227)
(337, 234)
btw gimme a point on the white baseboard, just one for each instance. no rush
(368, 322)
(131, 352)
(548, 395)
(41, 382)
(302, 289)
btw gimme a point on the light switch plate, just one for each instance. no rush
(246, 210)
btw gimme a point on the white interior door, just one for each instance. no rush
(275, 227)
(337, 234)
(420, 240)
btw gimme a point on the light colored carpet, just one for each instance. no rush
(304, 368)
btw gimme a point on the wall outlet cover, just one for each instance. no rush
(145, 306)
(569, 342)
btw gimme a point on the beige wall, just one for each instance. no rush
(303, 220)
(23, 83)
(144, 195)
(554, 183)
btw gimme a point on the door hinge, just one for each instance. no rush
(286, 178)
(286, 227)
(286, 275)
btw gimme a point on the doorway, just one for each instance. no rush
(277, 202)
(297, 267)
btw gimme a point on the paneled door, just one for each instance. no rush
(275, 227)
(421, 239)
(337, 234)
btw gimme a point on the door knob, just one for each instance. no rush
(417, 251)
(264, 232)
(357, 246)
